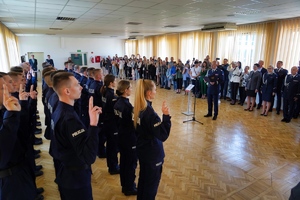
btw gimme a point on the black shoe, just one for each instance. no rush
(38, 167)
(39, 197)
(38, 173)
(287, 121)
(283, 120)
(101, 155)
(215, 118)
(114, 171)
(38, 141)
(130, 192)
(278, 112)
(38, 123)
(36, 156)
(37, 117)
(37, 112)
(40, 190)
(38, 131)
(208, 115)
(37, 151)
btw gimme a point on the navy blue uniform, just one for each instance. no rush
(75, 148)
(290, 92)
(77, 76)
(269, 86)
(281, 74)
(127, 143)
(151, 133)
(214, 90)
(94, 91)
(110, 129)
(262, 71)
(16, 180)
(48, 132)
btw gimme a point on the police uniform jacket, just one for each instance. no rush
(9, 121)
(88, 83)
(108, 102)
(281, 73)
(126, 131)
(74, 147)
(291, 86)
(77, 76)
(48, 131)
(218, 78)
(151, 133)
(94, 91)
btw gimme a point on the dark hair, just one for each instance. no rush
(90, 71)
(239, 64)
(46, 64)
(257, 65)
(122, 86)
(83, 69)
(60, 79)
(14, 74)
(16, 69)
(107, 80)
(3, 74)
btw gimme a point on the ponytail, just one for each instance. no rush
(107, 80)
(140, 103)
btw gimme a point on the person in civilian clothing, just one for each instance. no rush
(252, 87)
(281, 74)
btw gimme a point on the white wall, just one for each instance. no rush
(60, 48)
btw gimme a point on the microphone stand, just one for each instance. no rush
(193, 118)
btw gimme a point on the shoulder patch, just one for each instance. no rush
(157, 124)
(77, 132)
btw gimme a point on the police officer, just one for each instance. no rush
(109, 124)
(281, 74)
(15, 172)
(214, 78)
(127, 138)
(291, 94)
(151, 133)
(94, 91)
(72, 144)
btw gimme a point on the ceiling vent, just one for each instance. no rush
(96, 33)
(219, 27)
(171, 26)
(56, 29)
(134, 23)
(134, 32)
(70, 19)
(135, 37)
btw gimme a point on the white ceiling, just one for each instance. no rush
(110, 17)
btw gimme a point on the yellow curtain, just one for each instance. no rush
(9, 49)
(287, 43)
(268, 41)
(130, 47)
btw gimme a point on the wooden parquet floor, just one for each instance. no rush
(240, 156)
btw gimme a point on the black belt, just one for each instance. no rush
(77, 168)
(10, 171)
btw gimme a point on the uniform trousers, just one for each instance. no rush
(149, 179)
(128, 163)
(213, 99)
(102, 140)
(289, 106)
(111, 149)
(19, 185)
(76, 194)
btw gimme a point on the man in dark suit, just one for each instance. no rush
(214, 78)
(281, 74)
(262, 71)
(33, 63)
(50, 60)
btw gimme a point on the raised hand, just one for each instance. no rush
(22, 94)
(10, 103)
(165, 109)
(94, 112)
(32, 93)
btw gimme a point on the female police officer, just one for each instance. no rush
(127, 138)
(151, 132)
